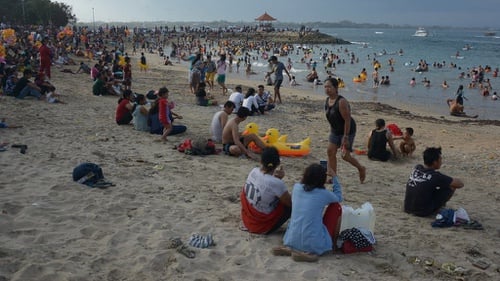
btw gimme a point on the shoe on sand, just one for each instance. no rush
(184, 249)
(304, 257)
(281, 251)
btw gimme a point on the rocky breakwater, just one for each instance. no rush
(294, 37)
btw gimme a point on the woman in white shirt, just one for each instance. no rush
(250, 102)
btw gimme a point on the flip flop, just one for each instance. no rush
(102, 184)
(304, 257)
(475, 225)
(173, 243)
(188, 253)
(23, 147)
(281, 251)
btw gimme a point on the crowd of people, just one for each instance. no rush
(266, 203)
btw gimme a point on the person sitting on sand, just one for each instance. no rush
(154, 123)
(167, 61)
(237, 98)
(125, 108)
(24, 87)
(140, 114)
(407, 145)
(250, 102)
(378, 140)
(84, 68)
(10, 81)
(264, 100)
(219, 120)
(202, 98)
(44, 84)
(427, 190)
(311, 230)
(101, 87)
(233, 142)
(265, 200)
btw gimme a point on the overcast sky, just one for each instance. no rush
(459, 13)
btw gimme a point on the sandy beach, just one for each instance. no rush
(52, 228)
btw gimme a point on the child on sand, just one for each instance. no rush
(407, 146)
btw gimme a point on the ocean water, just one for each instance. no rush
(440, 46)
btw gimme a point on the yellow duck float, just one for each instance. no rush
(273, 138)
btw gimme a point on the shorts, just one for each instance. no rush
(210, 76)
(337, 140)
(221, 78)
(277, 83)
(226, 147)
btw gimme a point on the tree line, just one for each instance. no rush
(35, 12)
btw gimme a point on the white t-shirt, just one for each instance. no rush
(237, 98)
(263, 191)
(248, 102)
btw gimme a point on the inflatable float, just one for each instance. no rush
(273, 138)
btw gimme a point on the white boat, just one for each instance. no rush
(421, 32)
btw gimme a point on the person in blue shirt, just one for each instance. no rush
(278, 68)
(310, 233)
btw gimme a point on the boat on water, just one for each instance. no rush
(421, 32)
(490, 33)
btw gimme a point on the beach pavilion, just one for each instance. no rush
(265, 22)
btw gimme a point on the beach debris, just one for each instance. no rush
(453, 269)
(480, 263)
(158, 167)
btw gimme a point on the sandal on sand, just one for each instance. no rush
(281, 251)
(473, 225)
(188, 253)
(173, 243)
(304, 257)
(23, 147)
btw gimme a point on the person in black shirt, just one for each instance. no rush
(342, 129)
(427, 190)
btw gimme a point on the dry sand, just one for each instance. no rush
(52, 228)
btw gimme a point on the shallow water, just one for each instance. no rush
(441, 46)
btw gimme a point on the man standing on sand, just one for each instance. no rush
(342, 129)
(278, 69)
(427, 190)
(45, 60)
(235, 144)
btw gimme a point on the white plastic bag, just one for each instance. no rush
(361, 217)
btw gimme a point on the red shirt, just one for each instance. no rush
(122, 109)
(163, 111)
(44, 55)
